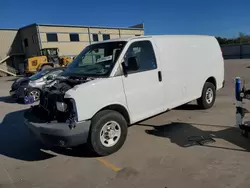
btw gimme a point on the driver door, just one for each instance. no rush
(143, 88)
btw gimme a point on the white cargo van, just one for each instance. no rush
(114, 83)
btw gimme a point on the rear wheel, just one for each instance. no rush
(208, 96)
(108, 132)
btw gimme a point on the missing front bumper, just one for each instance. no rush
(57, 134)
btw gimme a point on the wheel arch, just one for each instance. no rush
(118, 108)
(202, 101)
(212, 80)
(32, 88)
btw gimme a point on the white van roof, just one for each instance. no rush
(154, 36)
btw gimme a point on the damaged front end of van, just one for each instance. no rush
(54, 121)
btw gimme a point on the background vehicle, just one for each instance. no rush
(32, 86)
(49, 58)
(126, 81)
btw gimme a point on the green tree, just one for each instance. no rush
(240, 39)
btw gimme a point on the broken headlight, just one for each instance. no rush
(61, 106)
(74, 110)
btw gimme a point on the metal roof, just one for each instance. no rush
(140, 26)
(135, 27)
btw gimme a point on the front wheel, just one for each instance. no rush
(108, 132)
(35, 93)
(208, 96)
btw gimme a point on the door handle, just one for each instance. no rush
(159, 76)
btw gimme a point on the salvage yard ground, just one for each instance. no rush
(157, 152)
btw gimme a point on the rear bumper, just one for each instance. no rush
(57, 134)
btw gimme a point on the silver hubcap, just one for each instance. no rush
(209, 95)
(110, 134)
(35, 95)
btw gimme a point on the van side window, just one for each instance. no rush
(144, 53)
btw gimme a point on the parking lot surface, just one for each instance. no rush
(157, 152)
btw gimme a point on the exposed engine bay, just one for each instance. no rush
(53, 106)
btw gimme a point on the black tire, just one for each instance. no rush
(34, 90)
(203, 102)
(97, 123)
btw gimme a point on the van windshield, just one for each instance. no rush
(96, 60)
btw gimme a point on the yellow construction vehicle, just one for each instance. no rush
(49, 58)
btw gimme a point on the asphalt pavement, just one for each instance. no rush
(159, 152)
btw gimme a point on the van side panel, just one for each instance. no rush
(187, 62)
(219, 62)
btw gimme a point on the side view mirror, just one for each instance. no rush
(132, 65)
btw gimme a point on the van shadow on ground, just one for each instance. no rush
(188, 107)
(180, 133)
(17, 142)
(7, 99)
(10, 100)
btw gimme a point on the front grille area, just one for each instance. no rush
(48, 103)
(48, 109)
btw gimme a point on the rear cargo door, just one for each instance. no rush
(143, 88)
